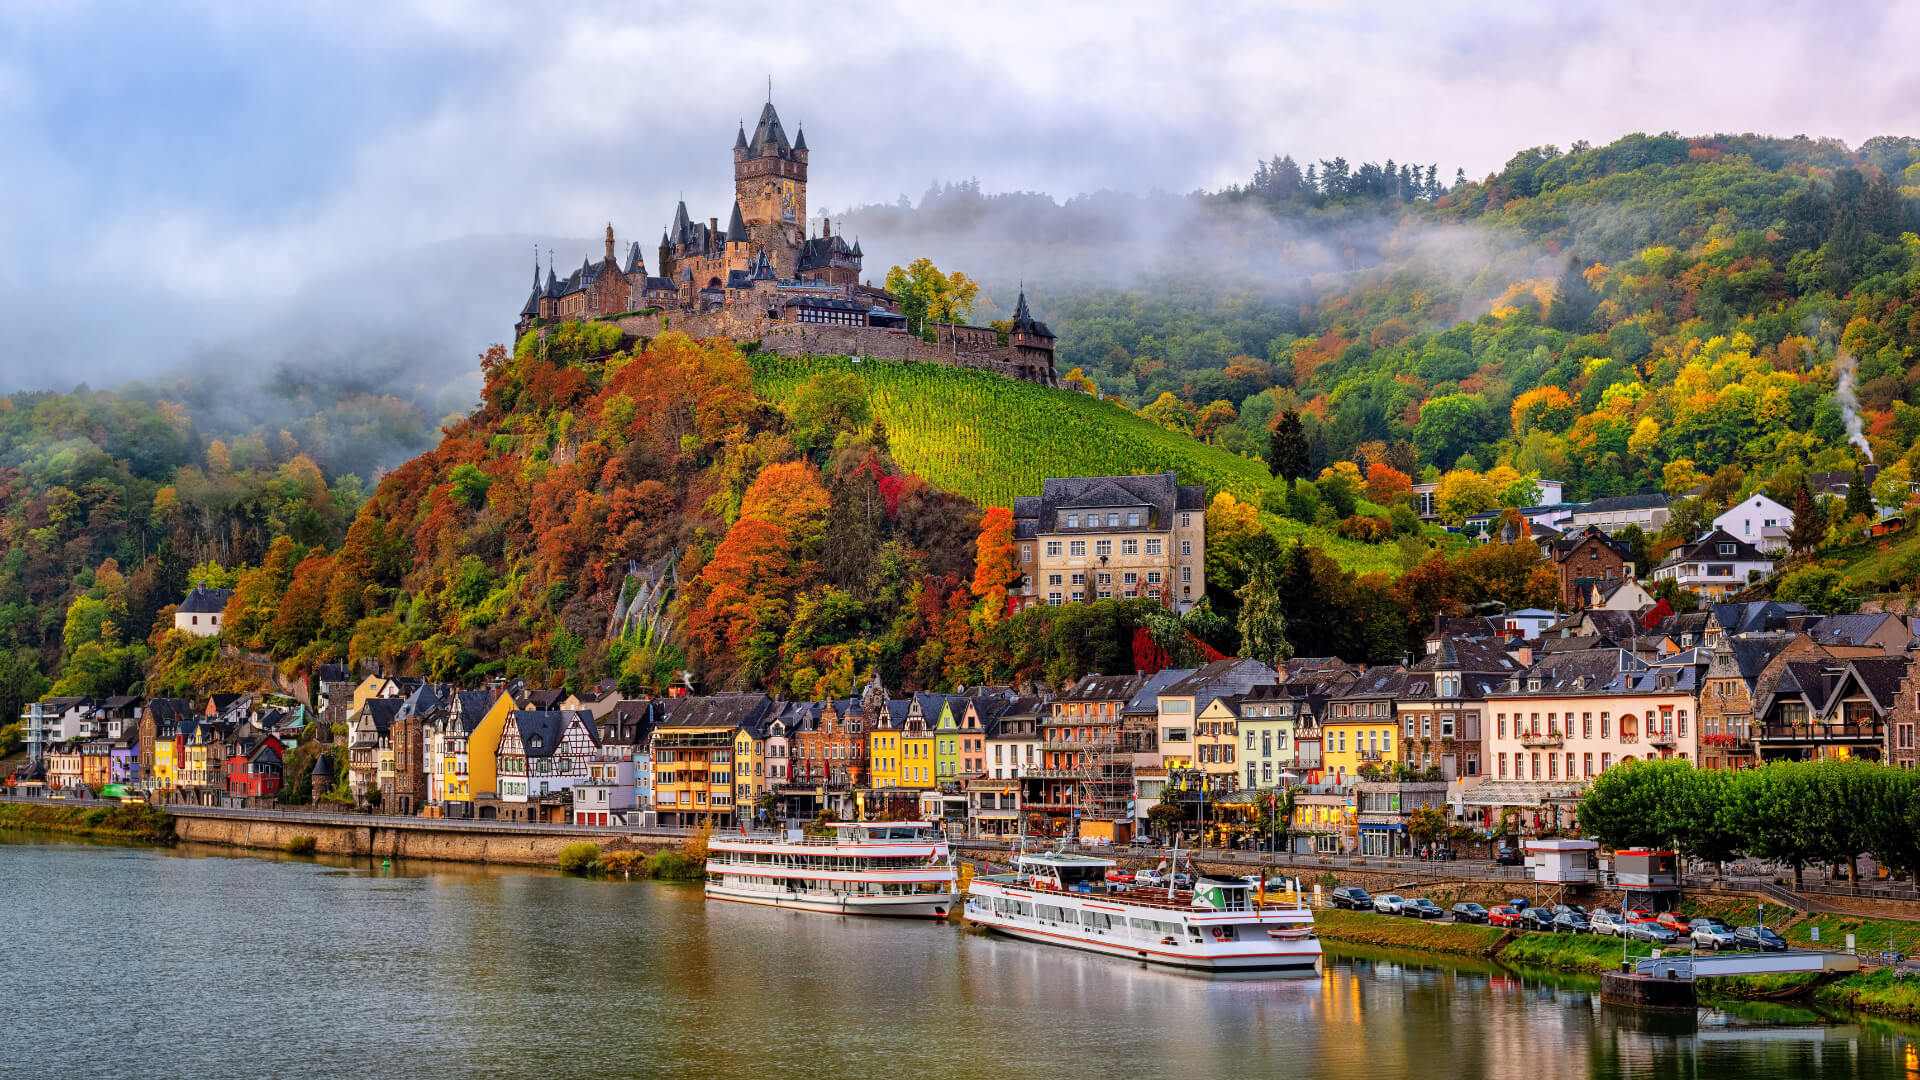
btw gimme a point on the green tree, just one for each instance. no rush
(1263, 620)
(929, 296)
(1809, 529)
(1288, 455)
(1574, 301)
(1859, 495)
(828, 403)
(1824, 589)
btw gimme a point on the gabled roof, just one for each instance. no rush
(1232, 675)
(542, 729)
(1615, 503)
(1754, 616)
(203, 600)
(1103, 688)
(1708, 547)
(716, 710)
(1160, 493)
(1585, 671)
(1378, 682)
(1856, 629)
(1468, 655)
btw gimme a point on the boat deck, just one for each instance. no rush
(1141, 896)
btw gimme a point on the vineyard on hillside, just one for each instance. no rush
(991, 438)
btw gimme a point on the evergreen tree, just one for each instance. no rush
(1263, 623)
(1574, 301)
(1809, 522)
(1859, 495)
(1287, 452)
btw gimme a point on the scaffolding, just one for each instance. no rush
(1088, 756)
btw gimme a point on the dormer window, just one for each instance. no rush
(533, 742)
(1533, 684)
(1726, 549)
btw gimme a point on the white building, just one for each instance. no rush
(1759, 521)
(199, 614)
(1528, 622)
(1715, 566)
(607, 793)
(1564, 862)
(1614, 513)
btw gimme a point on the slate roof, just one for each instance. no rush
(635, 263)
(331, 673)
(1570, 541)
(1747, 657)
(1754, 616)
(1024, 322)
(769, 130)
(540, 729)
(1880, 676)
(1468, 655)
(1573, 643)
(1588, 671)
(1707, 549)
(1614, 503)
(736, 225)
(717, 710)
(1852, 629)
(818, 252)
(1160, 493)
(1378, 682)
(203, 600)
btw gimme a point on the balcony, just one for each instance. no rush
(1371, 755)
(1820, 733)
(1539, 741)
(1661, 739)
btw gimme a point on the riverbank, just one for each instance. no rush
(139, 821)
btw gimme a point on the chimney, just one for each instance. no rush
(826, 226)
(610, 241)
(713, 226)
(1525, 655)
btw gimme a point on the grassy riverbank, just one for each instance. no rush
(136, 822)
(1367, 928)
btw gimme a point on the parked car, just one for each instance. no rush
(1562, 909)
(1149, 878)
(1517, 904)
(1651, 932)
(1759, 937)
(1422, 908)
(1571, 922)
(1388, 903)
(1675, 922)
(1507, 856)
(1353, 898)
(1120, 877)
(1503, 916)
(1713, 934)
(1639, 915)
(1183, 880)
(1469, 913)
(1606, 922)
(1537, 919)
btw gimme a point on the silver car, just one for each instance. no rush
(1651, 932)
(1712, 934)
(1606, 922)
(1388, 903)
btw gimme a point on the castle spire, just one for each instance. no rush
(740, 139)
(800, 137)
(736, 226)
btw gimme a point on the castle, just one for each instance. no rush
(763, 279)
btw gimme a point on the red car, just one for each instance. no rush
(1120, 877)
(1503, 915)
(1634, 915)
(1672, 921)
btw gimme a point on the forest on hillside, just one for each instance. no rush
(1662, 312)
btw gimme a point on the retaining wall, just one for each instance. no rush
(410, 840)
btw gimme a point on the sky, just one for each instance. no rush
(185, 180)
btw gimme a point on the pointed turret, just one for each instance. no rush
(635, 265)
(1025, 323)
(768, 131)
(800, 138)
(736, 226)
(553, 281)
(740, 140)
(856, 247)
(682, 224)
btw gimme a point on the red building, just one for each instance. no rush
(254, 769)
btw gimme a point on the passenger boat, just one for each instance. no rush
(900, 868)
(1217, 926)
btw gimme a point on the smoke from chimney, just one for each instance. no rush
(1846, 370)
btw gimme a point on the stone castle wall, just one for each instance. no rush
(738, 322)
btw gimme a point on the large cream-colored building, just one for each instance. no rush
(1112, 537)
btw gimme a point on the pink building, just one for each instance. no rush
(1572, 716)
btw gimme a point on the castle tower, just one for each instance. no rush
(770, 185)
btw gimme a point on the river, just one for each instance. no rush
(128, 961)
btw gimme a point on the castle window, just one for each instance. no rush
(1079, 579)
(1186, 547)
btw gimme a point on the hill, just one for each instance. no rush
(991, 438)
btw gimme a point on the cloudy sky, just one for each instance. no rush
(185, 177)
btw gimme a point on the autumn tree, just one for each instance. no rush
(1171, 413)
(995, 567)
(1386, 484)
(927, 295)
(1213, 419)
(1574, 301)
(1543, 408)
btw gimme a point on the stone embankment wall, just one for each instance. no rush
(408, 840)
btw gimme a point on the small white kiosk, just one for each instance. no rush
(1564, 862)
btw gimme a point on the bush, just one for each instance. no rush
(300, 845)
(580, 857)
(624, 863)
(675, 866)
(1367, 530)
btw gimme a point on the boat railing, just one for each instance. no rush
(783, 840)
(1135, 896)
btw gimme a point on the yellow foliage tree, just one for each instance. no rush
(1463, 492)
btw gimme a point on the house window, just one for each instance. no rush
(1053, 598)
(1133, 520)
(1053, 579)
(1586, 727)
(1026, 552)
(1186, 547)
(1186, 521)
(1503, 766)
(1130, 546)
(1153, 577)
(1077, 579)
(1103, 548)
(1606, 760)
(1586, 763)
(1103, 579)
(1186, 573)
(1053, 549)
(1604, 726)
(1113, 520)
(1153, 547)
(1129, 578)
(1500, 725)
(1077, 549)
(1073, 521)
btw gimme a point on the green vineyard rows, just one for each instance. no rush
(991, 438)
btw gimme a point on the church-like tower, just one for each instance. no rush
(770, 186)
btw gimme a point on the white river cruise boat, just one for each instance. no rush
(1217, 926)
(900, 868)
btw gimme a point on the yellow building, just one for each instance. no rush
(884, 750)
(1360, 727)
(482, 770)
(917, 768)
(1216, 733)
(749, 767)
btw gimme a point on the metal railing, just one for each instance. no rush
(1819, 732)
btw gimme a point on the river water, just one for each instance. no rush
(127, 961)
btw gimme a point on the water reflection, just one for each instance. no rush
(157, 963)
